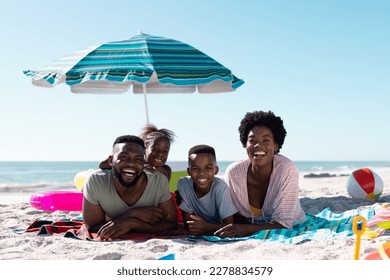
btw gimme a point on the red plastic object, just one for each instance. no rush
(57, 200)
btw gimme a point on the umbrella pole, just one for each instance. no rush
(146, 103)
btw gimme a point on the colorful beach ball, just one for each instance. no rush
(365, 183)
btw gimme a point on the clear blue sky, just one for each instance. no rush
(323, 66)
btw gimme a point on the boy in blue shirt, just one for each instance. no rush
(206, 202)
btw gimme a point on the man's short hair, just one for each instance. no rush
(129, 139)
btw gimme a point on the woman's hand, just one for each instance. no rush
(233, 230)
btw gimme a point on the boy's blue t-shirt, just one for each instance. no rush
(215, 206)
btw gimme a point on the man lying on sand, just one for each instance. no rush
(125, 198)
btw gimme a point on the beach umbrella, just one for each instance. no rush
(145, 63)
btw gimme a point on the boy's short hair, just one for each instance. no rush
(129, 139)
(201, 149)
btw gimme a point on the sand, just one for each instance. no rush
(316, 194)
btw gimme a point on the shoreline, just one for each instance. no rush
(324, 175)
(315, 195)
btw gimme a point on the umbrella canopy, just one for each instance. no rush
(148, 64)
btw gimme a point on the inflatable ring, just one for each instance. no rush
(57, 200)
(383, 253)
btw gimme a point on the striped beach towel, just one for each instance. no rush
(324, 225)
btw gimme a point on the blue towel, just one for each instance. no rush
(168, 257)
(324, 225)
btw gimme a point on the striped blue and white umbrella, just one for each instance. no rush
(148, 64)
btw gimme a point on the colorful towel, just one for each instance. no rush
(379, 224)
(382, 214)
(77, 229)
(324, 225)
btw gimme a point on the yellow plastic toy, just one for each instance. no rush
(370, 233)
(358, 232)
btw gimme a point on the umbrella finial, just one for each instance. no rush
(140, 32)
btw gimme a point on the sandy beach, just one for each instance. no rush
(316, 194)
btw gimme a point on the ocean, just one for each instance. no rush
(55, 175)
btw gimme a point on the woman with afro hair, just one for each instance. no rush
(264, 187)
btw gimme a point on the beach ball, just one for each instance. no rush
(80, 178)
(365, 183)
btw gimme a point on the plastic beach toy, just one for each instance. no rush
(80, 178)
(383, 253)
(370, 233)
(57, 200)
(385, 225)
(365, 183)
(358, 230)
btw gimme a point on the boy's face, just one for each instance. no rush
(202, 169)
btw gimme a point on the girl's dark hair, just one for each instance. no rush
(261, 118)
(151, 132)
